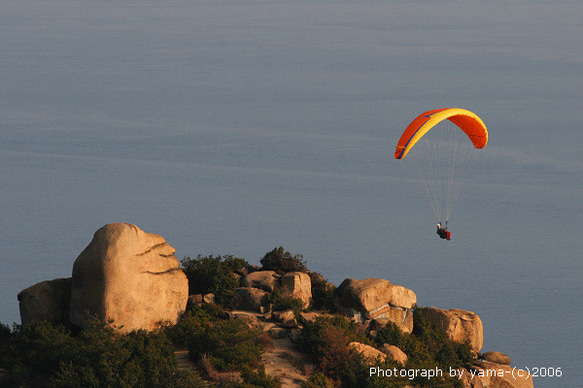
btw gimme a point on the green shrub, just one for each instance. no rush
(417, 351)
(42, 354)
(327, 339)
(229, 344)
(209, 274)
(426, 348)
(281, 303)
(34, 351)
(192, 321)
(317, 380)
(259, 379)
(323, 293)
(445, 351)
(281, 261)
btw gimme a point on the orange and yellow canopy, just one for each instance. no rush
(467, 121)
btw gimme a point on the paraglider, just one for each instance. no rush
(441, 145)
(443, 232)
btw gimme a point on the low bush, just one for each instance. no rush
(427, 348)
(445, 351)
(281, 261)
(327, 339)
(323, 293)
(230, 344)
(43, 354)
(281, 303)
(258, 378)
(317, 380)
(209, 274)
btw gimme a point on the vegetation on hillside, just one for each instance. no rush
(41, 354)
(209, 274)
(281, 261)
(226, 351)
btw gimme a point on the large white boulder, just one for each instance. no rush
(377, 298)
(128, 276)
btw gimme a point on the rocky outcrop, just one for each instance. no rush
(400, 317)
(283, 316)
(459, 325)
(134, 279)
(496, 357)
(249, 299)
(199, 299)
(377, 298)
(394, 353)
(264, 280)
(486, 374)
(46, 301)
(368, 352)
(297, 285)
(130, 277)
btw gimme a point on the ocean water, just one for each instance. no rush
(233, 128)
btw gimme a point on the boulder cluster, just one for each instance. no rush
(132, 279)
(125, 275)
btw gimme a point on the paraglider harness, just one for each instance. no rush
(443, 232)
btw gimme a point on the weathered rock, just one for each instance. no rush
(249, 299)
(402, 318)
(459, 325)
(199, 299)
(394, 353)
(194, 300)
(485, 374)
(282, 316)
(368, 352)
(264, 280)
(129, 276)
(209, 298)
(496, 357)
(297, 285)
(46, 301)
(376, 298)
(250, 317)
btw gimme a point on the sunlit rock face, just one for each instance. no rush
(265, 280)
(459, 325)
(378, 299)
(297, 285)
(128, 276)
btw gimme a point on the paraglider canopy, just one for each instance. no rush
(441, 145)
(467, 121)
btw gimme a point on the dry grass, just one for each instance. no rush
(210, 372)
(266, 340)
